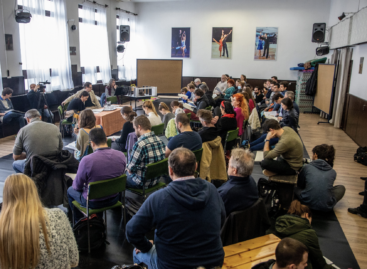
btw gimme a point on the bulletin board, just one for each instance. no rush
(324, 96)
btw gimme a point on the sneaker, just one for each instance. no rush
(363, 178)
(358, 211)
(268, 173)
(245, 144)
(361, 193)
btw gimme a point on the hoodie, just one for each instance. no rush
(314, 186)
(187, 215)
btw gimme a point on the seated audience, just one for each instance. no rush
(243, 78)
(86, 122)
(109, 91)
(316, 181)
(275, 79)
(201, 101)
(185, 91)
(283, 87)
(37, 138)
(186, 138)
(187, 216)
(258, 95)
(227, 122)
(92, 102)
(37, 102)
(209, 132)
(128, 115)
(148, 149)
(240, 191)
(92, 168)
(242, 110)
(166, 112)
(296, 224)
(290, 116)
(76, 106)
(191, 88)
(153, 117)
(362, 209)
(222, 84)
(208, 94)
(227, 93)
(277, 99)
(197, 83)
(290, 94)
(251, 100)
(171, 129)
(7, 115)
(289, 254)
(239, 85)
(289, 147)
(32, 236)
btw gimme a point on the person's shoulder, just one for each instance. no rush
(55, 214)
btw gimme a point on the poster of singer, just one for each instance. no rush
(180, 43)
(266, 47)
(222, 42)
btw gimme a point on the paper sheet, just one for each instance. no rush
(113, 136)
(259, 156)
(97, 110)
(71, 175)
(71, 146)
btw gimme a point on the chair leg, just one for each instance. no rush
(124, 205)
(88, 234)
(105, 220)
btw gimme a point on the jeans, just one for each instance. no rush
(150, 258)
(14, 116)
(130, 183)
(259, 143)
(74, 195)
(19, 165)
(46, 114)
(280, 166)
(103, 99)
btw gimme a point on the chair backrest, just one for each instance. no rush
(100, 189)
(157, 169)
(109, 142)
(232, 135)
(198, 153)
(209, 108)
(158, 129)
(65, 107)
(113, 99)
(61, 112)
(189, 115)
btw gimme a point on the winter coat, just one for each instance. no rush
(312, 82)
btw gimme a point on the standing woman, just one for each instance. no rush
(153, 117)
(129, 115)
(241, 108)
(32, 236)
(166, 112)
(259, 46)
(183, 45)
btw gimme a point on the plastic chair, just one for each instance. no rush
(158, 129)
(63, 121)
(231, 135)
(100, 189)
(113, 99)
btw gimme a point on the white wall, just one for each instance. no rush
(294, 19)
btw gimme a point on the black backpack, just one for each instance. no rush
(97, 231)
(267, 191)
(361, 155)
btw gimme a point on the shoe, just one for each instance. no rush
(363, 178)
(245, 144)
(361, 193)
(358, 211)
(268, 173)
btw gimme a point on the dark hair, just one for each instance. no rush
(284, 83)
(231, 81)
(289, 251)
(182, 161)
(97, 136)
(276, 84)
(6, 91)
(87, 119)
(110, 83)
(244, 77)
(205, 115)
(182, 117)
(277, 96)
(84, 93)
(204, 87)
(325, 152)
(127, 110)
(288, 102)
(176, 103)
(269, 80)
(270, 124)
(143, 122)
(87, 84)
(228, 108)
(199, 92)
(257, 87)
(296, 208)
(272, 82)
(275, 77)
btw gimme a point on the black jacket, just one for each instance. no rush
(201, 103)
(209, 96)
(312, 82)
(290, 119)
(33, 98)
(126, 130)
(225, 125)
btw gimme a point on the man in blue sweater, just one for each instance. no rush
(187, 214)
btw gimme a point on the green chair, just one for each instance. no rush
(109, 142)
(63, 121)
(113, 99)
(209, 108)
(158, 129)
(65, 107)
(189, 115)
(153, 170)
(100, 189)
(231, 135)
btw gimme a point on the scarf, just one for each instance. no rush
(229, 116)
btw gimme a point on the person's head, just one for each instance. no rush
(32, 115)
(291, 254)
(223, 78)
(21, 219)
(181, 163)
(228, 76)
(191, 87)
(243, 78)
(148, 107)
(238, 100)
(141, 125)
(128, 113)
(7, 93)
(246, 96)
(268, 82)
(182, 122)
(275, 87)
(226, 108)
(163, 108)
(97, 138)
(289, 95)
(205, 117)
(111, 83)
(197, 82)
(88, 86)
(298, 209)
(176, 104)
(241, 163)
(287, 104)
(87, 119)
(230, 83)
(283, 86)
(278, 97)
(32, 87)
(257, 90)
(84, 96)
(249, 91)
(204, 87)
(324, 152)
(184, 90)
(275, 78)
(198, 93)
(272, 126)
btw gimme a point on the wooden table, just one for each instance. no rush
(111, 121)
(245, 255)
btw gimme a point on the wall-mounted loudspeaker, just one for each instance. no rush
(124, 33)
(323, 50)
(318, 32)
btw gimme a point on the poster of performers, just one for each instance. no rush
(180, 43)
(222, 42)
(266, 43)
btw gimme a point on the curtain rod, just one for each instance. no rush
(94, 2)
(120, 9)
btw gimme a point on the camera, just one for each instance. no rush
(42, 86)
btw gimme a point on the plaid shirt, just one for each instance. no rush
(148, 149)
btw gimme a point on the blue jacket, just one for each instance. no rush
(187, 215)
(315, 183)
(2, 107)
(238, 193)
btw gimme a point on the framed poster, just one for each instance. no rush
(222, 42)
(180, 42)
(266, 43)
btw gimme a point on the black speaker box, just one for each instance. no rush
(318, 32)
(124, 33)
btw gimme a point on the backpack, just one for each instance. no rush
(97, 231)
(361, 155)
(267, 191)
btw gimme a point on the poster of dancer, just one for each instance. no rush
(222, 42)
(266, 46)
(180, 43)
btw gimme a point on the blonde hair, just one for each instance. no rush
(20, 219)
(164, 106)
(149, 104)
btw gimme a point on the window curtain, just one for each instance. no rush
(45, 44)
(126, 62)
(94, 44)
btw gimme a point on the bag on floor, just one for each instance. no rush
(97, 231)
(134, 266)
(68, 130)
(267, 191)
(361, 155)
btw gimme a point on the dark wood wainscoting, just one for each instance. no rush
(356, 120)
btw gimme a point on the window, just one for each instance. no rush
(44, 44)
(94, 53)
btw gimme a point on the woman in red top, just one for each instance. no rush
(241, 108)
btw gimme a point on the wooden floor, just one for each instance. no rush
(348, 173)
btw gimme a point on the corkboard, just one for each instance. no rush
(324, 90)
(166, 75)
